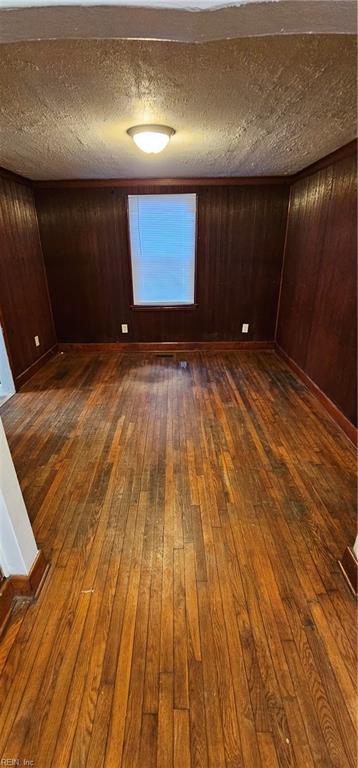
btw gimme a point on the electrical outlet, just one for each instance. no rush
(37, 341)
(245, 328)
(124, 328)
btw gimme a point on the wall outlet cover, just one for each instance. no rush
(124, 328)
(245, 328)
(37, 341)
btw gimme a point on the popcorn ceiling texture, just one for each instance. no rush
(245, 107)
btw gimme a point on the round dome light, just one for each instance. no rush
(151, 138)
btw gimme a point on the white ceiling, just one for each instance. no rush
(253, 106)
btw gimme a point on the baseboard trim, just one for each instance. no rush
(349, 567)
(23, 377)
(160, 346)
(7, 595)
(31, 585)
(22, 586)
(338, 417)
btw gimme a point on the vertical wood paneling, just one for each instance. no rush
(24, 301)
(239, 256)
(317, 318)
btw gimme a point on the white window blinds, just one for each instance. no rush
(162, 242)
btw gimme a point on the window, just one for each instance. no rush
(162, 241)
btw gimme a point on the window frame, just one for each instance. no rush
(163, 307)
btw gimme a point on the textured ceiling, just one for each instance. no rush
(256, 106)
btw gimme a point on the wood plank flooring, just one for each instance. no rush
(193, 507)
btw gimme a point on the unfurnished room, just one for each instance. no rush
(178, 398)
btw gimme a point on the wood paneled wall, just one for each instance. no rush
(241, 231)
(317, 315)
(239, 256)
(24, 302)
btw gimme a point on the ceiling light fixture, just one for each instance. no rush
(151, 138)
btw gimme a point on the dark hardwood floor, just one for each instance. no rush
(193, 507)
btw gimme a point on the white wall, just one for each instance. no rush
(6, 381)
(18, 548)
